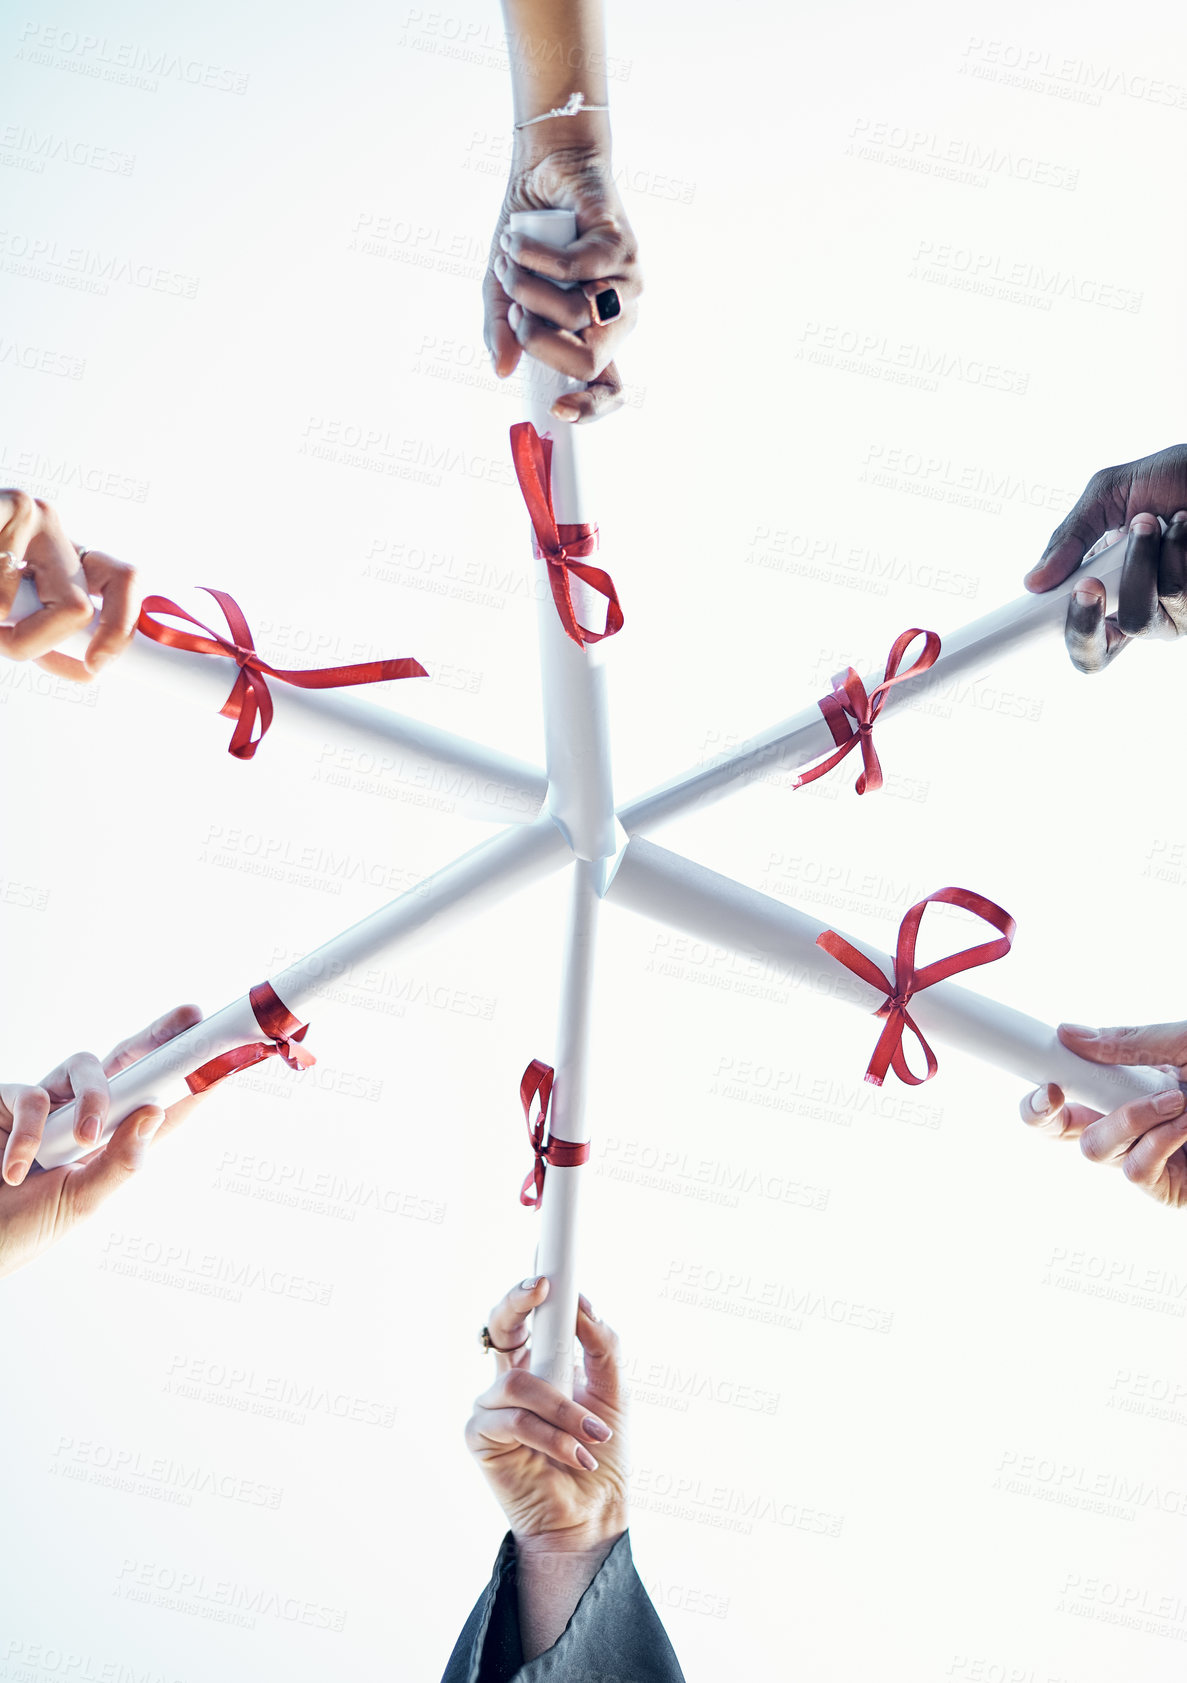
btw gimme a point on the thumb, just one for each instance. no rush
(93, 1181)
(1102, 505)
(1154, 1043)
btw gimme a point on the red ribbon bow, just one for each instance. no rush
(250, 697)
(561, 547)
(849, 700)
(284, 1034)
(561, 1154)
(888, 1053)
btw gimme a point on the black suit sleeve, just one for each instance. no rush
(614, 1635)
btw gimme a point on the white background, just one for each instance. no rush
(335, 213)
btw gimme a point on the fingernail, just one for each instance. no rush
(14, 1171)
(1143, 524)
(96, 662)
(1081, 1031)
(1086, 598)
(148, 1127)
(587, 1306)
(586, 1459)
(1040, 1101)
(88, 1128)
(596, 1429)
(530, 1285)
(505, 241)
(514, 316)
(565, 411)
(1168, 1104)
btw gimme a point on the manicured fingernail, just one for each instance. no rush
(1040, 1101)
(530, 1285)
(1168, 1104)
(14, 1171)
(1143, 524)
(565, 411)
(88, 1128)
(1081, 1031)
(596, 1429)
(148, 1127)
(586, 1459)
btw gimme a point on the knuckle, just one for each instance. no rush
(1134, 1169)
(23, 505)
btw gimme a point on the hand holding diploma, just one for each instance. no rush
(1147, 1138)
(1148, 499)
(570, 308)
(37, 1209)
(30, 532)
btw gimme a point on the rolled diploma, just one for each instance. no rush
(479, 878)
(554, 1321)
(485, 782)
(673, 890)
(805, 736)
(573, 680)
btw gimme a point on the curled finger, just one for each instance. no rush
(507, 1323)
(601, 397)
(158, 1033)
(1092, 639)
(1108, 1140)
(28, 1107)
(1172, 572)
(1048, 1112)
(114, 582)
(81, 1077)
(1145, 1163)
(492, 1431)
(1139, 611)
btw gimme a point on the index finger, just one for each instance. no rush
(28, 1107)
(115, 583)
(81, 1077)
(600, 253)
(1138, 607)
(139, 1045)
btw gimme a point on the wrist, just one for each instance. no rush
(596, 1537)
(586, 136)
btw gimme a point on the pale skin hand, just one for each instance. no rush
(1147, 1138)
(536, 299)
(39, 1207)
(1152, 599)
(557, 1466)
(30, 532)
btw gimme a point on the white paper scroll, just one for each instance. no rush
(805, 736)
(359, 737)
(556, 1248)
(573, 680)
(675, 891)
(486, 874)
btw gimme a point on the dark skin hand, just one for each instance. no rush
(1152, 597)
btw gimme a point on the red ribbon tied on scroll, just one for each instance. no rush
(561, 1154)
(563, 548)
(250, 698)
(888, 1053)
(849, 700)
(284, 1036)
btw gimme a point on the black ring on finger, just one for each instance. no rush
(484, 1338)
(604, 306)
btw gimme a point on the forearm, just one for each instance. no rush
(558, 48)
(550, 1583)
